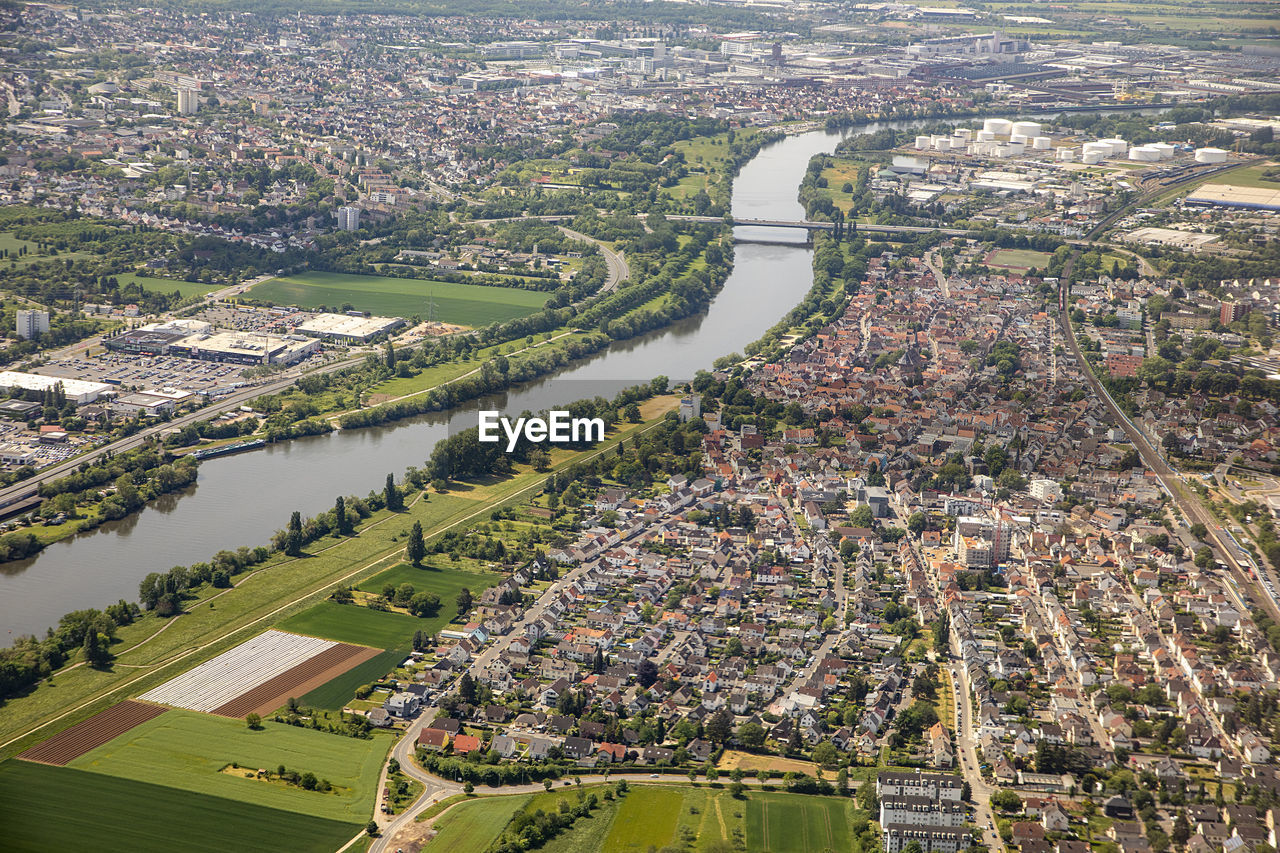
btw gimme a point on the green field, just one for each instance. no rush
(464, 304)
(647, 818)
(46, 808)
(334, 694)
(796, 823)
(349, 623)
(444, 582)
(655, 817)
(166, 285)
(1018, 259)
(472, 827)
(187, 750)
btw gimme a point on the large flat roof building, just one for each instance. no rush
(349, 327)
(77, 391)
(244, 348)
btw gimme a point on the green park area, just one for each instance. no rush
(463, 304)
(652, 817)
(190, 751)
(45, 808)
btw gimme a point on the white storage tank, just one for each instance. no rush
(1066, 154)
(1026, 128)
(986, 135)
(964, 133)
(1100, 149)
(922, 142)
(1211, 155)
(998, 126)
(1091, 157)
(1166, 150)
(1144, 154)
(942, 143)
(1019, 138)
(1016, 148)
(1042, 143)
(1118, 145)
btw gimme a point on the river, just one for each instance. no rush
(242, 500)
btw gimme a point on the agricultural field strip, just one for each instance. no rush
(237, 671)
(304, 677)
(92, 733)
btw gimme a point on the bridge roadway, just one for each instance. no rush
(806, 224)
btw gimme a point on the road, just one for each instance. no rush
(967, 741)
(619, 270)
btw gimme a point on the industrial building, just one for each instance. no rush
(151, 402)
(1225, 195)
(354, 328)
(77, 391)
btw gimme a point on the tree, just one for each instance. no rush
(647, 673)
(468, 788)
(293, 537)
(1204, 557)
(416, 548)
(751, 734)
(916, 523)
(719, 726)
(826, 754)
(392, 496)
(253, 721)
(96, 652)
(862, 517)
(464, 601)
(341, 521)
(371, 828)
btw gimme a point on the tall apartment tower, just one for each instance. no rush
(188, 101)
(349, 218)
(32, 322)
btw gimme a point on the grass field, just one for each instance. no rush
(795, 823)
(442, 580)
(464, 304)
(187, 750)
(57, 808)
(1250, 176)
(349, 623)
(335, 694)
(1018, 259)
(166, 285)
(751, 763)
(646, 818)
(472, 827)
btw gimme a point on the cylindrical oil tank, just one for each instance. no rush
(1210, 155)
(998, 126)
(922, 142)
(1066, 154)
(1118, 145)
(1144, 154)
(1092, 157)
(1042, 143)
(986, 135)
(1166, 150)
(1026, 128)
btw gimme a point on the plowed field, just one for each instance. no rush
(92, 733)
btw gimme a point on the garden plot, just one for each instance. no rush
(234, 673)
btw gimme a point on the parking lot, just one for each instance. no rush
(140, 372)
(247, 319)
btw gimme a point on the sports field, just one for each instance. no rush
(187, 750)
(45, 808)
(464, 304)
(796, 823)
(1018, 259)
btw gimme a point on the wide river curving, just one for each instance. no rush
(242, 500)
